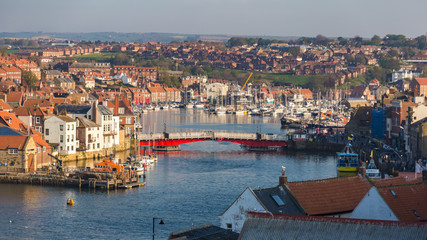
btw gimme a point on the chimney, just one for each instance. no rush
(283, 180)
(116, 106)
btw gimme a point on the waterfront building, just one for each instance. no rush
(89, 135)
(60, 132)
(21, 152)
(74, 111)
(109, 124)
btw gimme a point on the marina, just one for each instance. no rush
(185, 188)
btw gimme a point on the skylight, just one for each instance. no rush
(278, 200)
(393, 193)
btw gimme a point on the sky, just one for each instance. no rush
(331, 18)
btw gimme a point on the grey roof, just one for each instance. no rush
(86, 122)
(75, 109)
(90, 65)
(104, 110)
(7, 131)
(52, 72)
(290, 206)
(280, 226)
(64, 80)
(205, 232)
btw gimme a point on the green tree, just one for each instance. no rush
(376, 40)
(389, 63)
(30, 78)
(121, 59)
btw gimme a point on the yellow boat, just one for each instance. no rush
(348, 161)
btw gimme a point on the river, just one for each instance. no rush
(186, 188)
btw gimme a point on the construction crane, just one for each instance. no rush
(246, 82)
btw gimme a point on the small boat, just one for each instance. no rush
(108, 166)
(199, 105)
(372, 172)
(138, 167)
(348, 161)
(220, 110)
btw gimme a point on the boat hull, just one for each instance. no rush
(347, 169)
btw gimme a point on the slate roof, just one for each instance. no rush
(7, 131)
(87, 123)
(280, 226)
(408, 202)
(74, 109)
(331, 195)
(204, 232)
(104, 110)
(265, 196)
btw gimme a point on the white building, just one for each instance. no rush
(61, 131)
(404, 74)
(110, 126)
(373, 207)
(274, 200)
(89, 134)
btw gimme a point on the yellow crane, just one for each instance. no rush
(246, 81)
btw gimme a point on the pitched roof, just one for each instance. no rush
(408, 202)
(282, 226)
(15, 96)
(331, 195)
(66, 118)
(205, 232)
(11, 120)
(7, 131)
(86, 122)
(7, 141)
(3, 105)
(267, 198)
(75, 109)
(421, 81)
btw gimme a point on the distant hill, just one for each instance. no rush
(129, 37)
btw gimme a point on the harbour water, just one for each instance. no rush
(186, 188)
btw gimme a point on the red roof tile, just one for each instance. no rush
(7, 142)
(408, 202)
(421, 81)
(329, 196)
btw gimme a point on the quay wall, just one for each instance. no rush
(314, 146)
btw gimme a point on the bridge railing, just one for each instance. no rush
(212, 135)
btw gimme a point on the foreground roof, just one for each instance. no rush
(282, 226)
(331, 195)
(205, 232)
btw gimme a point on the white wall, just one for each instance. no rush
(373, 207)
(236, 213)
(68, 132)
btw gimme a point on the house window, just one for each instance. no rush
(68, 138)
(72, 127)
(97, 145)
(37, 119)
(229, 226)
(61, 127)
(47, 131)
(68, 127)
(13, 151)
(72, 148)
(61, 138)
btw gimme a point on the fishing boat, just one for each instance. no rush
(348, 161)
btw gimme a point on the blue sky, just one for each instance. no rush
(332, 18)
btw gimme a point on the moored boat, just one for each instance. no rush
(348, 161)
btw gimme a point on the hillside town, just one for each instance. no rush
(56, 109)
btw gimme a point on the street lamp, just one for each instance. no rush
(161, 222)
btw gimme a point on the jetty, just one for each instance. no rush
(89, 180)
